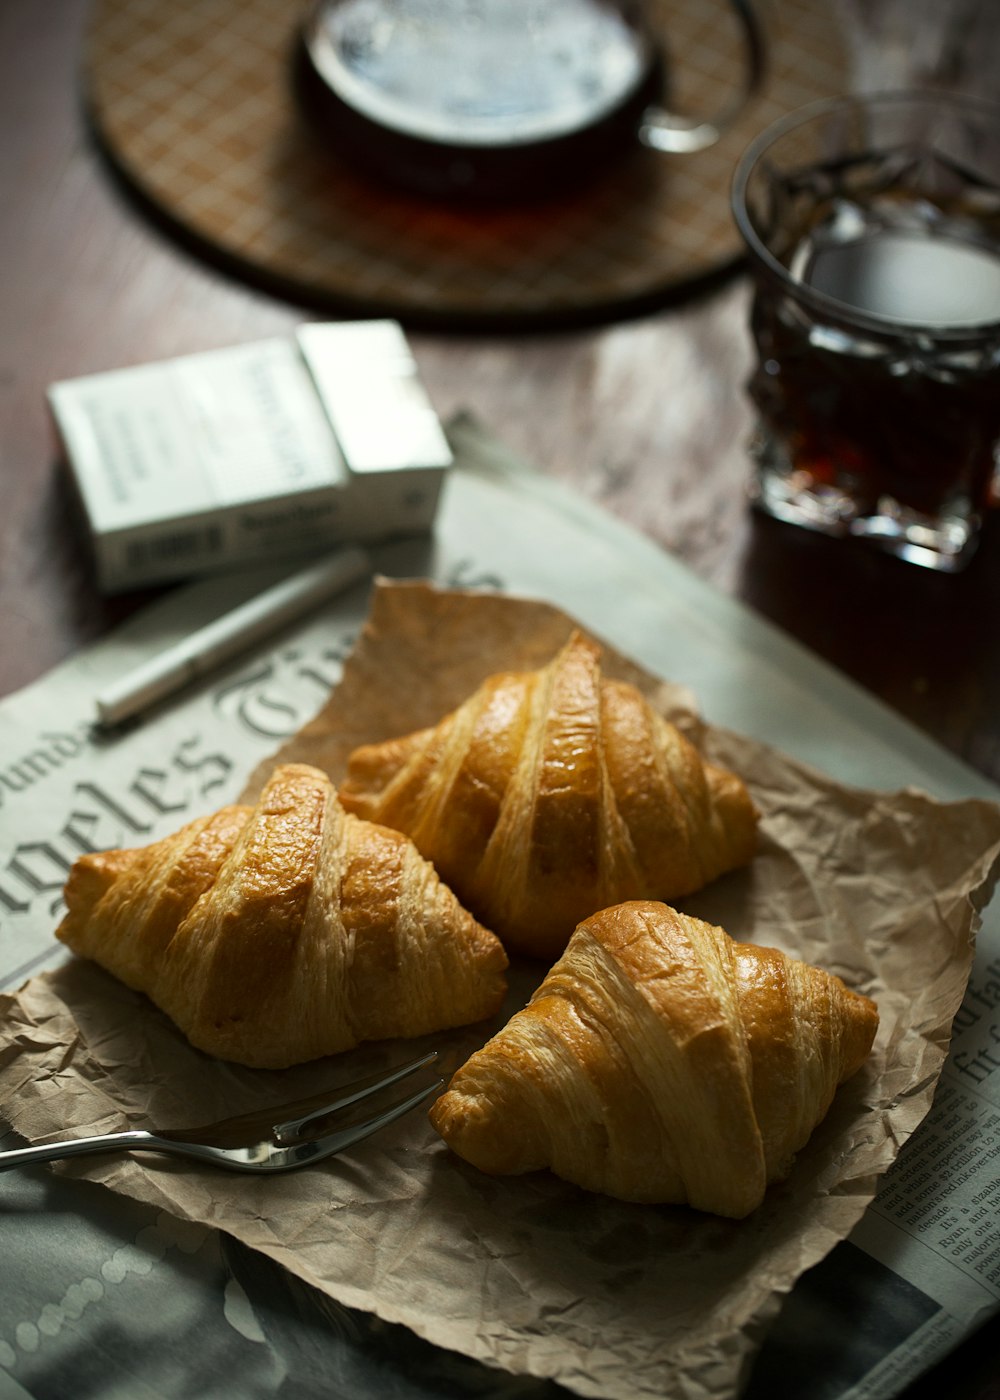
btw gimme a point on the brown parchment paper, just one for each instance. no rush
(529, 1274)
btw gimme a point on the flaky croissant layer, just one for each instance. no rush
(661, 1061)
(281, 932)
(551, 793)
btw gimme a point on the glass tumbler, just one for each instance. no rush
(872, 227)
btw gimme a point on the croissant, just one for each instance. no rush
(281, 932)
(553, 793)
(660, 1061)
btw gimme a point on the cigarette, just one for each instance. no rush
(212, 645)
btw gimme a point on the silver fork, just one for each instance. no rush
(274, 1140)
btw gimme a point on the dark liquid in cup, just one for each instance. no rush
(465, 100)
(905, 411)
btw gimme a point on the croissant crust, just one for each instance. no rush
(550, 794)
(281, 932)
(661, 1061)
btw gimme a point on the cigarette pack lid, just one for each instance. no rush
(368, 383)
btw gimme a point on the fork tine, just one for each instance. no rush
(332, 1143)
(294, 1128)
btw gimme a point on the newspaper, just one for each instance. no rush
(927, 1253)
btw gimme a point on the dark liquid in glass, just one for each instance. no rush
(904, 408)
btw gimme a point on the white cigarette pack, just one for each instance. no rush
(266, 451)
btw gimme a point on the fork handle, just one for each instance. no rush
(77, 1147)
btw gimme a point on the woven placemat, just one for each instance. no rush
(194, 103)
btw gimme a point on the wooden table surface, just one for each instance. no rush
(647, 417)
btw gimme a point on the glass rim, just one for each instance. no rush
(820, 302)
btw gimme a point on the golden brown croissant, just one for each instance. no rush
(661, 1061)
(281, 932)
(553, 793)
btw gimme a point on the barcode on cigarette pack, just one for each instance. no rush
(187, 546)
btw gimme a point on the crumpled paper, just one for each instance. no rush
(530, 1274)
